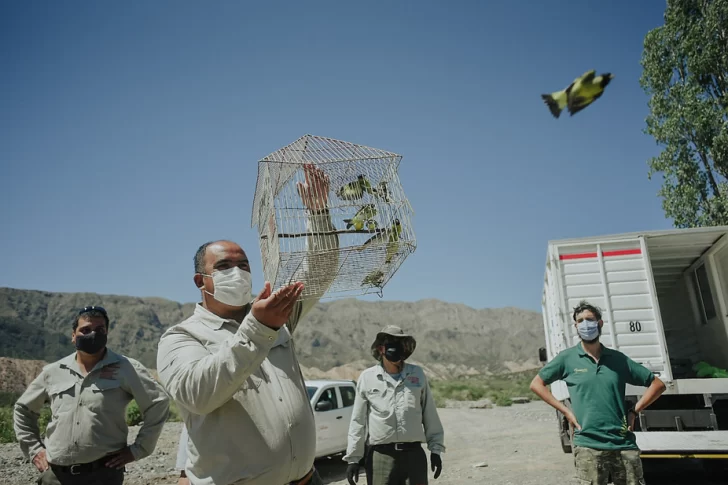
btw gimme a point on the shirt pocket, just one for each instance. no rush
(101, 393)
(63, 397)
(379, 399)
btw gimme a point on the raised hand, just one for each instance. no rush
(315, 192)
(274, 309)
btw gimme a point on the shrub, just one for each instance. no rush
(7, 434)
(133, 414)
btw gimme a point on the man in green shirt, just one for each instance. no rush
(596, 376)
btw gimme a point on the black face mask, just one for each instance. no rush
(91, 343)
(394, 351)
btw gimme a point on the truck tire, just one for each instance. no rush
(564, 432)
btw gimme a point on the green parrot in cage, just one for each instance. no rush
(375, 278)
(582, 92)
(382, 191)
(391, 236)
(355, 190)
(363, 216)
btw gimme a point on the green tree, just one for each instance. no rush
(685, 73)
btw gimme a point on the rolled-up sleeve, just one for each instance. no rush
(153, 403)
(25, 417)
(201, 381)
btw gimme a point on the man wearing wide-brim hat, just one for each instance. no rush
(395, 408)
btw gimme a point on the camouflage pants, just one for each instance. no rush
(595, 467)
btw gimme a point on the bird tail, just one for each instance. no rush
(348, 223)
(552, 104)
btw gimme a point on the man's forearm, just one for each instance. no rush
(27, 431)
(653, 392)
(540, 389)
(155, 416)
(202, 382)
(323, 249)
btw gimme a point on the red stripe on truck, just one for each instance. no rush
(606, 254)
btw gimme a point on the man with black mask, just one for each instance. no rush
(395, 408)
(88, 391)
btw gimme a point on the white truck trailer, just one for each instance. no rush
(664, 302)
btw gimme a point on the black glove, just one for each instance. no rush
(436, 463)
(352, 473)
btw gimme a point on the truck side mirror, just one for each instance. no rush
(542, 356)
(324, 406)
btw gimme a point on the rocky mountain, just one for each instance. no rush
(332, 341)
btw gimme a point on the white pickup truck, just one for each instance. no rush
(664, 301)
(332, 402)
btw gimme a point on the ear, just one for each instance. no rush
(199, 281)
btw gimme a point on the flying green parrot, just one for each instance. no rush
(391, 236)
(355, 190)
(375, 278)
(362, 217)
(582, 92)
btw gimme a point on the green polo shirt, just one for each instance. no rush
(597, 394)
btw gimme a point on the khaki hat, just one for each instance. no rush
(394, 331)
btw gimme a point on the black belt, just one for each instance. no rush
(80, 468)
(410, 445)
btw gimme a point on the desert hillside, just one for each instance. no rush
(333, 341)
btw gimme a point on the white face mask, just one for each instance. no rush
(233, 286)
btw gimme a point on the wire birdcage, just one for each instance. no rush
(367, 209)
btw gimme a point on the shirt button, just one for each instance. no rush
(280, 399)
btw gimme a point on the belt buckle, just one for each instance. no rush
(398, 446)
(71, 470)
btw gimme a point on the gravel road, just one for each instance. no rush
(518, 446)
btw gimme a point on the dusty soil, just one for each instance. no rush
(519, 446)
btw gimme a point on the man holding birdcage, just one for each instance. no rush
(232, 367)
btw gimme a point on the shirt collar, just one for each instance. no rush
(211, 320)
(582, 352)
(69, 361)
(406, 370)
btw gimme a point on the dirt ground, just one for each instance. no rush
(518, 445)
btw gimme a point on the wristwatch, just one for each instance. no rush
(631, 410)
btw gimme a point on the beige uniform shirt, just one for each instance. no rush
(241, 392)
(88, 413)
(393, 412)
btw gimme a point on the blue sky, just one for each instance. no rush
(130, 133)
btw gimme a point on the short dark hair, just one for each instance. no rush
(200, 257)
(584, 305)
(89, 312)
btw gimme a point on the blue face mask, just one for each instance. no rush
(588, 330)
